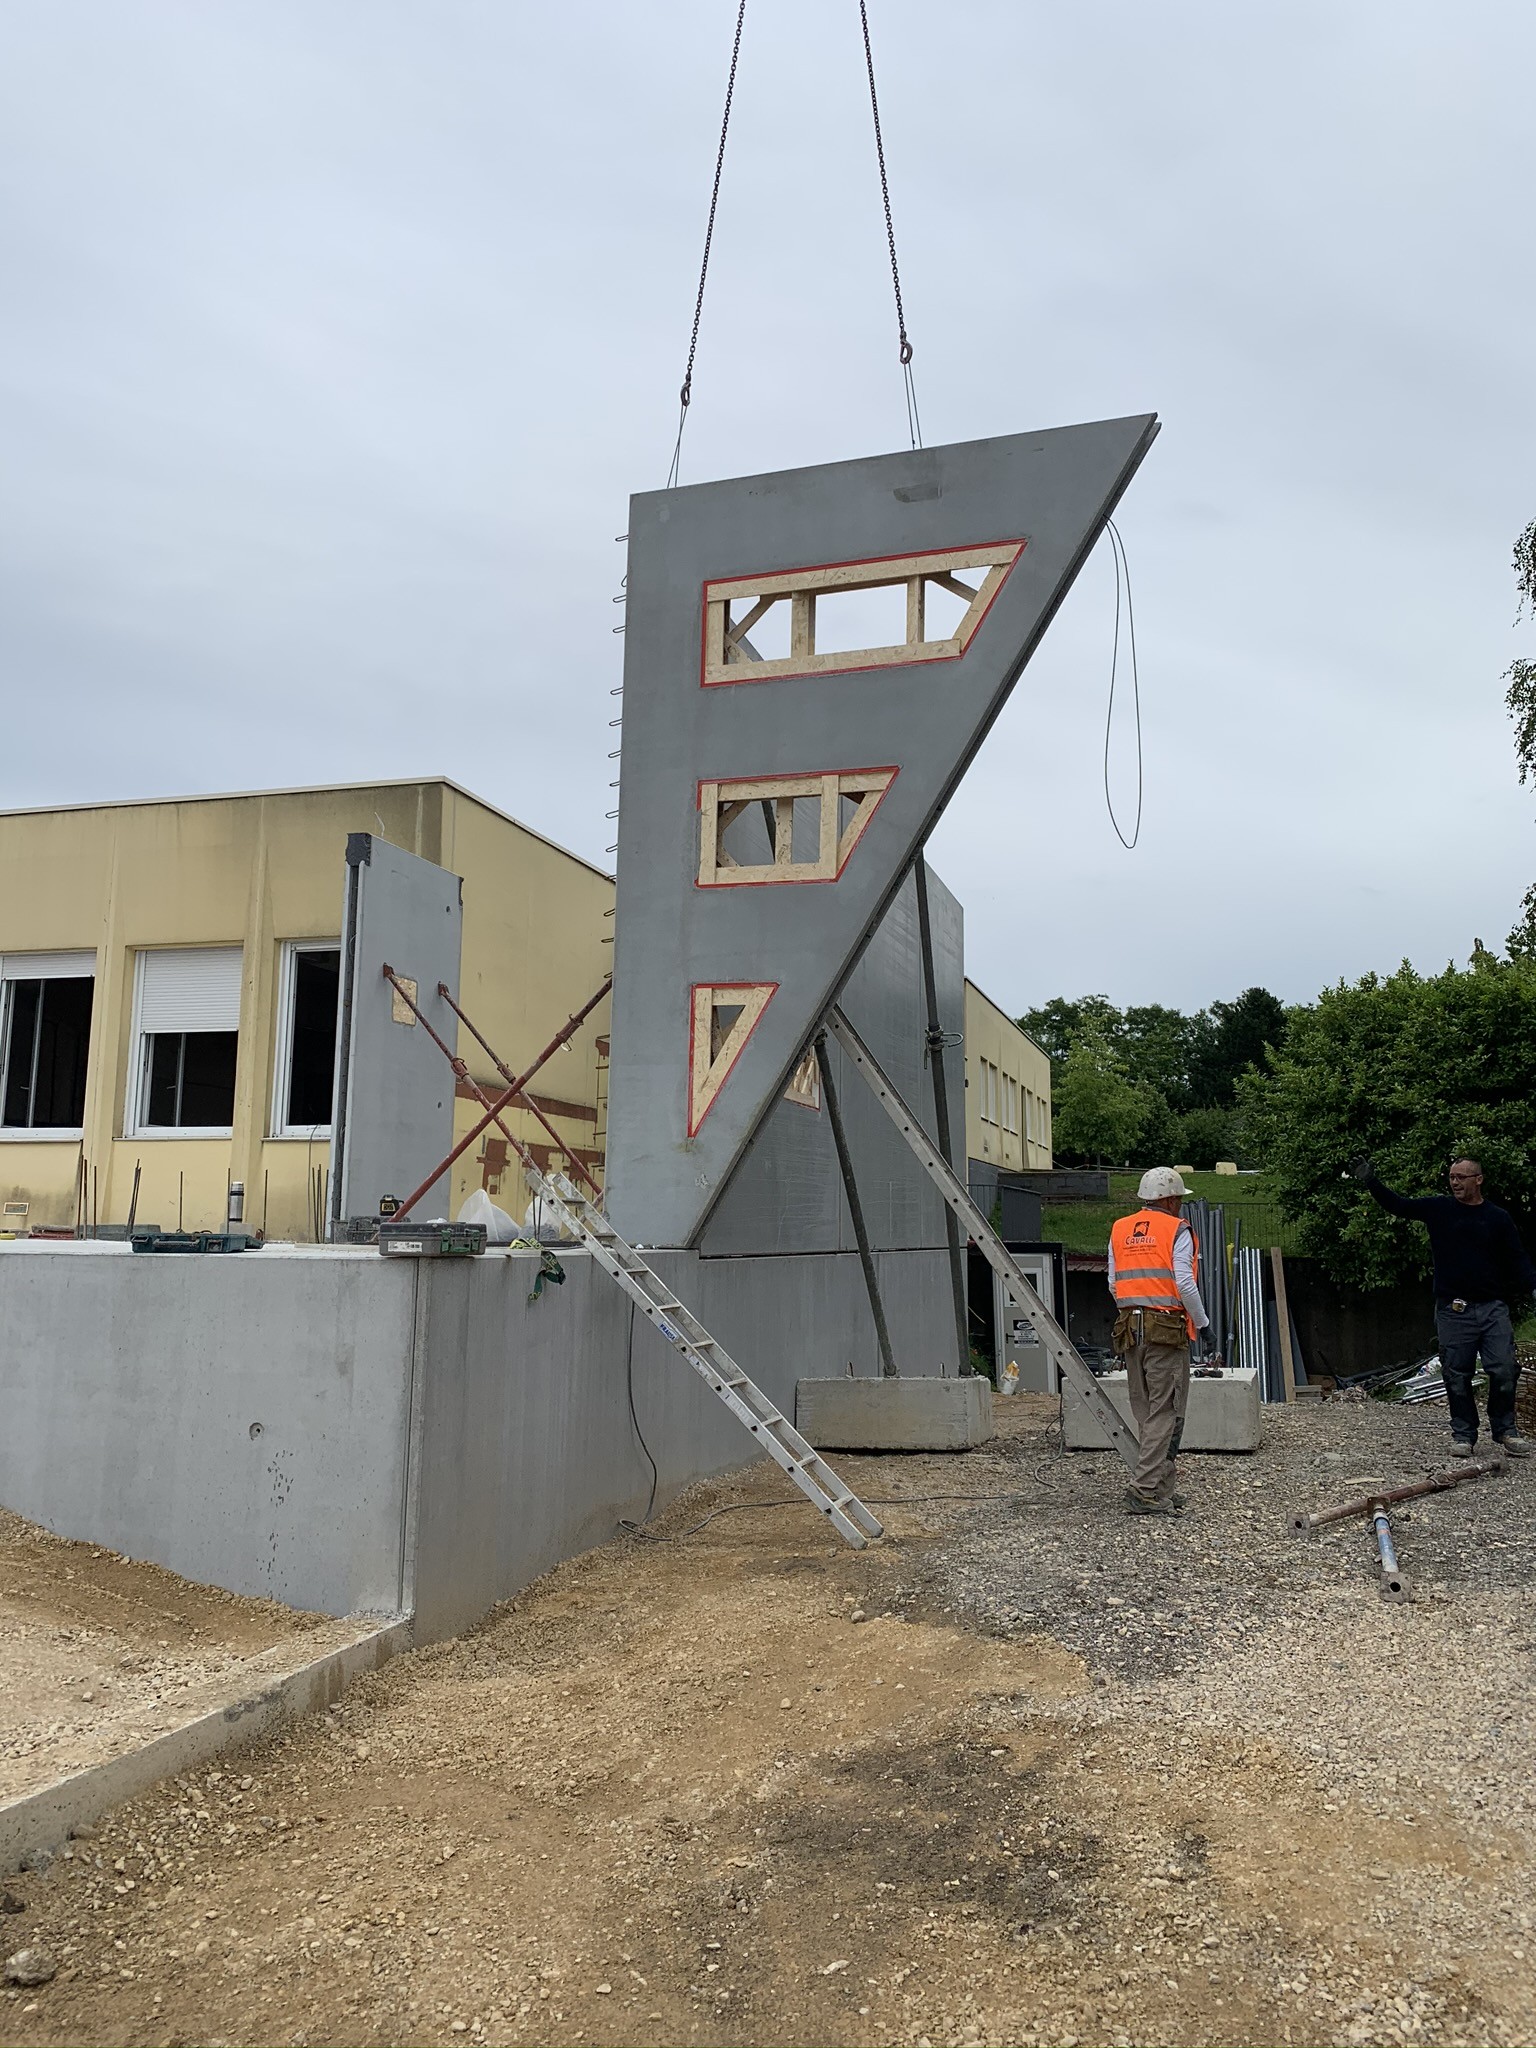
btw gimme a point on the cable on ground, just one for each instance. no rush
(870, 1500)
(638, 1528)
(1123, 567)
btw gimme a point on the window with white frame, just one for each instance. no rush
(186, 1034)
(45, 1037)
(305, 1073)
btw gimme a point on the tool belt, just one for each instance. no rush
(1135, 1326)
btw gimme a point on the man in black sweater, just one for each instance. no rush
(1480, 1267)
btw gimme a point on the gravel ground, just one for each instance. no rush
(1026, 1772)
(99, 1653)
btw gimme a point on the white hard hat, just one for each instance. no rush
(1161, 1183)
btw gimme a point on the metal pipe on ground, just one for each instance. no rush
(1303, 1524)
(1393, 1585)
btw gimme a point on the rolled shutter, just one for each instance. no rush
(47, 966)
(191, 988)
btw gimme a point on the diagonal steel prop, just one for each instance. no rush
(523, 1101)
(503, 1101)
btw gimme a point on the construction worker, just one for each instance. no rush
(1480, 1266)
(1154, 1274)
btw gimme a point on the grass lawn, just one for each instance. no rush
(1084, 1226)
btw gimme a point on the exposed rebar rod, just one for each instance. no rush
(935, 1042)
(562, 1037)
(1303, 1524)
(855, 1208)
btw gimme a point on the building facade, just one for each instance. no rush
(168, 990)
(1007, 1089)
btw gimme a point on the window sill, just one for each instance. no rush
(18, 1134)
(320, 1135)
(161, 1132)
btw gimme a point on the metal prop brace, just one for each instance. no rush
(935, 1043)
(1058, 1345)
(856, 1211)
(503, 1101)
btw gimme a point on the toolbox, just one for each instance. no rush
(432, 1240)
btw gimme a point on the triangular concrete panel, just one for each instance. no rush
(1025, 511)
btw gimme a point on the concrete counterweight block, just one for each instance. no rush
(918, 1414)
(1223, 1415)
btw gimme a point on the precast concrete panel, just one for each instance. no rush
(393, 1114)
(879, 733)
(787, 1193)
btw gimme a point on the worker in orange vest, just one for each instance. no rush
(1154, 1275)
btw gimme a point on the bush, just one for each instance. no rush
(1411, 1070)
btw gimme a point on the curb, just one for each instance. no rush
(41, 1819)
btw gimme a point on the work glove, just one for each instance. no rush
(1363, 1168)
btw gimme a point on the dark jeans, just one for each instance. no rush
(1482, 1326)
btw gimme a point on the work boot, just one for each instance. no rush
(1460, 1448)
(1150, 1504)
(1516, 1446)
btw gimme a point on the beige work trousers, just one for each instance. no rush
(1157, 1376)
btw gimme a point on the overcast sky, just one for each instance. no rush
(337, 333)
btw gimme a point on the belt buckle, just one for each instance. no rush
(1459, 1305)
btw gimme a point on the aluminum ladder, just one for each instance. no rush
(1058, 1345)
(708, 1357)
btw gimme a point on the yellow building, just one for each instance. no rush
(1007, 1089)
(168, 980)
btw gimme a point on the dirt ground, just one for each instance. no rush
(1028, 1771)
(98, 1653)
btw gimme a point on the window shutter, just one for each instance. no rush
(47, 966)
(193, 988)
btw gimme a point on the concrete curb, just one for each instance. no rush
(41, 1819)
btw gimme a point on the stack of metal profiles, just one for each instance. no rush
(1208, 1221)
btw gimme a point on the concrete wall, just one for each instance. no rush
(243, 1420)
(787, 1194)
(357, 1434)
(394, 1097)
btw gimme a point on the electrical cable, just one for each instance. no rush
(870, 1500)
(1122, 565)
(686, 394)
(914, 424)
(638, 1528)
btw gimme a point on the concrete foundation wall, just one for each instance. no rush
(242, 1420)
(354, 1434)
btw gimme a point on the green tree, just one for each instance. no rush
(1055, 1026)
(1231, 1038)
(1097, 1111)
(1411, 1070)
(1521, 699)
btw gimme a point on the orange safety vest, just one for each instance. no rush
(1143, 1249)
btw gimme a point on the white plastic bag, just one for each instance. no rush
(479, 1208)
(1008, 1378)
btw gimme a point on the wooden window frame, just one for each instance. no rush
(721, 801)
(728, 656)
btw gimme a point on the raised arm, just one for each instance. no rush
(1399, 1205)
